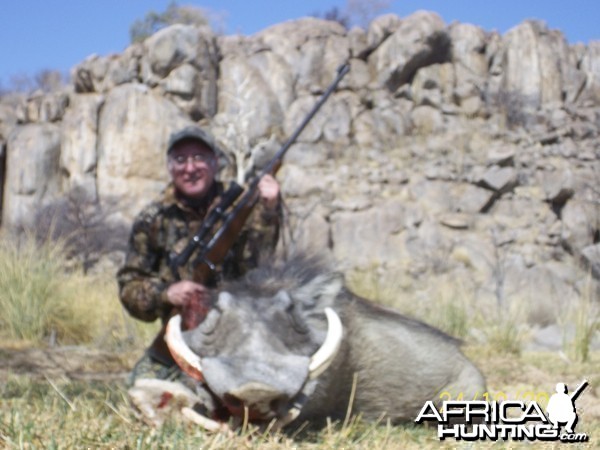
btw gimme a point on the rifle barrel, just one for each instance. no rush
(342, 71)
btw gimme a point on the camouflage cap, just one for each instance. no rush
(195, 133)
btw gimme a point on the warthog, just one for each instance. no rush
(289, 343)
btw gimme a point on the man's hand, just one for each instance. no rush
(193, 298)
(268, 191)
(184, 292)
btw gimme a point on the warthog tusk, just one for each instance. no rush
(205, 422)
(320, 361)
(291, 415)
(182, 354)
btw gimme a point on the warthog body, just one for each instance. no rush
(256, 350)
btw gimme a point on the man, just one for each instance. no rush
(147, 287)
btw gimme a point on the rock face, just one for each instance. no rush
(133, 131)
(441, 155)
(32, 175)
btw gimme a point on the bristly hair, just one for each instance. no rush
(277, 274)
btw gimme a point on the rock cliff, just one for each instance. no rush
(447, 153)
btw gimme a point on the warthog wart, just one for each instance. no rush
(289, 343)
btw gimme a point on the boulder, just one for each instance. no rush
(434, 85)
(332, 123)
(32, 177)
(419, 40)
(579, 224)
(79, 139)
(313, 48)
(590, 65)
(134, 127)
(43, 107)
(370, 236)
(194, 87)
(468, 49)
(426, 119)
(277, 75)
(246, 101)
(591, 257)
(500, 179)
(539, 82)
(102, 73)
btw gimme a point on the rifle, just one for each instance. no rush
(579, 390)
(211, 251)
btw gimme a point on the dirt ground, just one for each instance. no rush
(71, 362)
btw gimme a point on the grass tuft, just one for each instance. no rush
(582, 324)
(36, 293)
(44, 299)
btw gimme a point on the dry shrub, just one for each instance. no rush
(45, 298)
(36, 293)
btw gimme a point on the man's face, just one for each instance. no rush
(193, 167)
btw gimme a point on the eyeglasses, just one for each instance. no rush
(180, 161)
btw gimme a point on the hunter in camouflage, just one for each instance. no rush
(147, 287)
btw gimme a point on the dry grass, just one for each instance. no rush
(45, 299)
(583, 317)
(62, 413)
(36, 293)
(43, 408)
(456, 309)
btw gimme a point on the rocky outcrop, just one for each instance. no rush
(32, 175)
(442, 155)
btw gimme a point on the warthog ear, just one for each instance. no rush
(321, 291)
(282, 299)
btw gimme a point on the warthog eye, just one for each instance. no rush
(284, 304)
(296, 319)
(209, 325)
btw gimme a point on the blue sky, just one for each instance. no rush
(58, 34)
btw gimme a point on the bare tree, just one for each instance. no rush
(83, 224)
(335, 14)
(362, 12)
(49, 80)
(153, 21)
(21, 82)
(46, 80)
(356, 12)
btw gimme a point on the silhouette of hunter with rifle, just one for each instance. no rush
(561, 406)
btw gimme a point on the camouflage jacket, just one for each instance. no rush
(167, 225)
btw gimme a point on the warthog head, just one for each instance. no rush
(263, 344)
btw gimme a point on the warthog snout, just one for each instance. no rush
(262, 401)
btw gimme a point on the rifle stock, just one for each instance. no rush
(213, 252)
